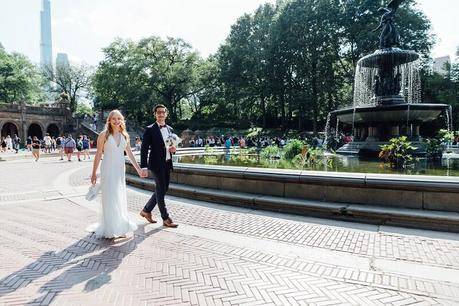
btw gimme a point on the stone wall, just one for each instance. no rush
(28, 119)
(416, 192)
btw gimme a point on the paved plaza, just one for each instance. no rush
(218, 255)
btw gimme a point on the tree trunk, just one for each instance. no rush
(282, 105)
(315, 107)
(263, 111)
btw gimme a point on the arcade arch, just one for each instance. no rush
(9, 128)
(52, 130)
(35, 130)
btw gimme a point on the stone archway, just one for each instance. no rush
(9, 128)
(53, 130)
(35, 130)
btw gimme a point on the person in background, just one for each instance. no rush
(16, 143)
(47, 142)
(9, 143)
(36, 144)
(59, 147)
(29, 143)
(138, 143)
(228, 144)
(53, 144)
(241, 142)
(86, 147)
(3, 145)
(69, 147)
(79, 146)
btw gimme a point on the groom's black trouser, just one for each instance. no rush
(162, 178)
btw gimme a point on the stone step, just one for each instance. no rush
(425, 219)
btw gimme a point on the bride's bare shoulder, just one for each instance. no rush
(102, 137)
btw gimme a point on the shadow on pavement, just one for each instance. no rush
(95, 269)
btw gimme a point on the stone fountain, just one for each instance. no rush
(387, 99)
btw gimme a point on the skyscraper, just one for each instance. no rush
(440, 64)
(46, 46)
(62, 60)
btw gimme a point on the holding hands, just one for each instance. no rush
(143, 172)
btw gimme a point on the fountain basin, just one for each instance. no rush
(388, 57)
(374, 126)
(421, 112)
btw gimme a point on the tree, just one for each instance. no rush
(20, 80)
(135, 76)
(437, 88)
(69, 79)
(84, 109)
(301, 70)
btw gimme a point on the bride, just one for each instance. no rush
(112, 143)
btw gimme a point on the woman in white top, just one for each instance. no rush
(112, 143)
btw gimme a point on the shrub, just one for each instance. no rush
(271, 152)
(398, 153)
(312, 158)
(293, 148)
(434, 148)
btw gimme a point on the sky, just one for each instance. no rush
(81, 28)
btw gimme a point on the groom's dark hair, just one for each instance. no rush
(159, 106)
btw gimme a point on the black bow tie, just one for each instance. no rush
(162, 126)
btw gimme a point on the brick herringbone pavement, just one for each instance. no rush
(437, 252)
(49, 259)
(215, 257)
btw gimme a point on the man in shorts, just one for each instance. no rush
(69, 147)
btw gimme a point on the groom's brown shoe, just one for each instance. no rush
(147, 216)
(169, 223)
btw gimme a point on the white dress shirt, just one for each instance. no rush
(165, 133)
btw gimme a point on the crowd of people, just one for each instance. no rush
(264, 141)
(9, 144)
(240, 141)
(65, 145)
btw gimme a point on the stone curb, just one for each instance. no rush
(433, 220)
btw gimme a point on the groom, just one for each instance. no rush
(159, 162)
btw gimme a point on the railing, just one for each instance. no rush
(37, 110)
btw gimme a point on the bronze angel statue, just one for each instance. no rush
(389, 35)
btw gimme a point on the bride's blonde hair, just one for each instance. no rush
(109, 129)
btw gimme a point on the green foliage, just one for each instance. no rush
(293, 148)
(439, 88)
(271, 152)
(290, 63)
(446, 136)
(20, 80)
(398, 153)
(84, 109)
(209, 157)
(244, 157)
(434, 148)
(69, 79)
(135, 76)
(284, 66)
(312, 158)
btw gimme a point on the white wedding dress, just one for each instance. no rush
(114, 220)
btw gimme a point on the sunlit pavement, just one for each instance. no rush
(218, 255)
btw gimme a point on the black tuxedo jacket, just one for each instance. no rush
(153, 149)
